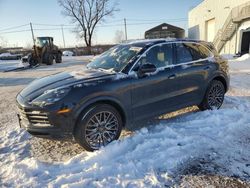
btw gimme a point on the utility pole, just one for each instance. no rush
(33, 37)
(31, 28)
(63, 36)
(125, 26)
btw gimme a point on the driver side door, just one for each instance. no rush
(152, 94)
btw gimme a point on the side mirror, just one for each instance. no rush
(146, 68)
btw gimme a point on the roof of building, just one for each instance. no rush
(165, 26)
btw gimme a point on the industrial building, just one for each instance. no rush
(225, 23)
(165, 31)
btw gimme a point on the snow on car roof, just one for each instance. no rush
(161, 40)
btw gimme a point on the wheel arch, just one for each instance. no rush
(110, 101)
(223, 80)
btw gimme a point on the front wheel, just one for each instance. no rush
(98, 126)
(214, 96)
(58, 58)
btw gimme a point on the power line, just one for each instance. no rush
(52, 25)
(15, 27)
(167, 20)
(72, 27)
(19, 31)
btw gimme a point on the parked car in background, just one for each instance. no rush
(9, 56)
(125, 84)
(68, 53)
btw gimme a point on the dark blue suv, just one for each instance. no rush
(128, 83)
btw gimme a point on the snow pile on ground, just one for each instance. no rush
(6, 65)
(228, 56)
(209, 142)
(10, 64)
(245, 57)
(149, 158)
(67, 53)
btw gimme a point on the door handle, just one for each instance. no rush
(207, 68)
(173, 76)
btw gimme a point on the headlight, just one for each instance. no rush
(51, 96)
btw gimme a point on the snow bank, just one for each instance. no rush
(240, 65)
(228, 56)
(149, 158)
(245, 57)
(10, 64)
(5, 55)
(231, 57)
(67, 53)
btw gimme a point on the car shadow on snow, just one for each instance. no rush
(166, 118)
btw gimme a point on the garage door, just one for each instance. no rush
(210, 30)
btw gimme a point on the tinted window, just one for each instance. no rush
(160, 56)
(187, 52)
(204, 51)
(183, 53)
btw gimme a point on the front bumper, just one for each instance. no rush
(44, 123)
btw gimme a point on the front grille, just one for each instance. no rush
(36, 118)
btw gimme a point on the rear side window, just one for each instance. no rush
(183, 53)
(204, 51)
(187, 52)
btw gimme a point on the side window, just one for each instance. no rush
(160, 56)
(183, 53)
(168, 52)
(187, 52)
(194, 49)
(204, 51)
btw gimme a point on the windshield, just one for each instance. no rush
(116, 58)
(42, 42)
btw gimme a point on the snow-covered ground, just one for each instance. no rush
(165, 153)
(6, 65)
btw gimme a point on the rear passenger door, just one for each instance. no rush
(191, 70)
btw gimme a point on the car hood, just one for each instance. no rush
(38, 86)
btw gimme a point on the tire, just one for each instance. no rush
(48, 59)
(59, 58)
(92, 132)
(32, 61)
(214, 96)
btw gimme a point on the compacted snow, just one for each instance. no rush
(187, 142)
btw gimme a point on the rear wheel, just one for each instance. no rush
(98, 126)
(214, 96)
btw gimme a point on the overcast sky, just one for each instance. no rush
(141, 15)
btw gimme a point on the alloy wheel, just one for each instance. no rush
(101, 129)
(216, 96)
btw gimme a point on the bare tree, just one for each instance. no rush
(87, 14)
(3, 42)
(119, 36)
